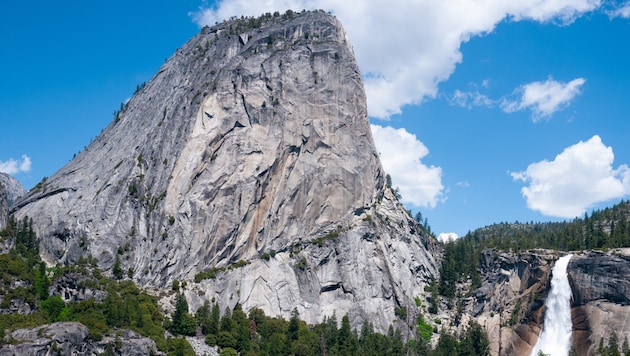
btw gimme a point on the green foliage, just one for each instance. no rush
(425, 330)
(53, 306)
(331, 236)
(211, 273)
(515, 316)
(183, 323)
(301, 264)
(228, 351)
(208, 274)
(447, 345)
(459, 264)
(388, 181)
(401, 312)
(179, 347)
(433, 305)
(125, 306)
(607, 228)
(474, 341)
(26, 243)
(117, 270)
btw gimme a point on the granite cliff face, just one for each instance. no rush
(601, 297)
(4, 206)
(250, 144)
(10, 191)
(509, 304)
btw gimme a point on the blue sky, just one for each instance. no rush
(498, 111)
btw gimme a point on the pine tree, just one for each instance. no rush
(41, 281)
(183, 322)
(117, 270)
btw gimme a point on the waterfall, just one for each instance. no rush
(555, 338)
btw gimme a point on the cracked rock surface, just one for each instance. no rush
(251, 140)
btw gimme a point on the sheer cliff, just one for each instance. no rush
(248, 155)
(10, 190)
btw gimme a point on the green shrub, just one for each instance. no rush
(301, 264)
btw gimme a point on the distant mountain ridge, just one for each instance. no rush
(606, 228)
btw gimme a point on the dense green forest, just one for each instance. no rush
(125, 306)
(603, 229)
(236, 332)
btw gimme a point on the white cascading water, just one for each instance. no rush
(555, 339)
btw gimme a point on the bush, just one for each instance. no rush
(401, 312)
(301, 264)
(54, 305)
(179, 346)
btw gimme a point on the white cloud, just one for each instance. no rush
(13, 166)
(623, 11)
(406, 48)
(446, 237)
(544, 98)
(577, 178)
(470, 99)
(401, 154)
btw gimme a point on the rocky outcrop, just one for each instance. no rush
(10, 190)
(13, 187)
(601, 296)
(4, 206)
(76, 287)
(597, 275)
(72, 338)
(250, 144)
(510, 302)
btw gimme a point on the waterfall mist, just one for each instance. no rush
(555, 338)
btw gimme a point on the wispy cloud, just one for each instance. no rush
(470, 99)
(543, 98)
(401, 154)
(580, 176)
(623, 11)
(13, 166)
(405, 49)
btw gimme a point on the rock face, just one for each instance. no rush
(4, 206)
(10, 190)
(251, 143)
(601, 297)
(510, 301)
(72, 338)
(12, 186)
